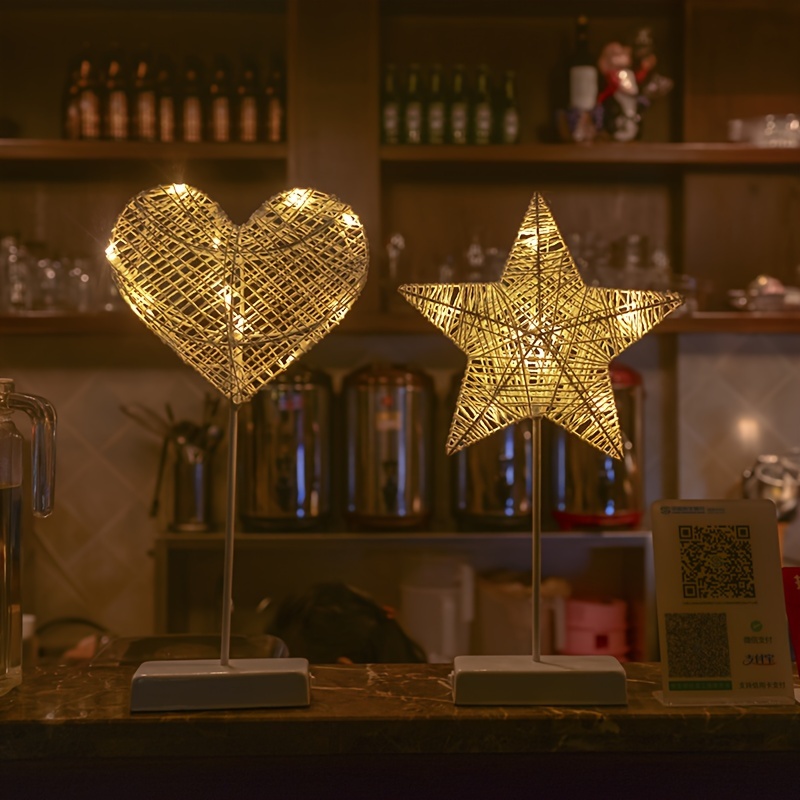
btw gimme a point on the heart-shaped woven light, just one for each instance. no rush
(238, 303)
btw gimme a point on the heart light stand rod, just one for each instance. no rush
(537, 679)
(196, 684)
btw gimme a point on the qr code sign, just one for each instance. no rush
(716, 562)
(697, 645)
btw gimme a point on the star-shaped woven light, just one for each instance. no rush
(238, 303)
(539, 341)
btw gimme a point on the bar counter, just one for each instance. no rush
(384, 731)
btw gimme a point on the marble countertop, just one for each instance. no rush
(83, 712)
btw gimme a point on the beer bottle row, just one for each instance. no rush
(434, 107)
(146, 98)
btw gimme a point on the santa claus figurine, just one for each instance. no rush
(622, 97)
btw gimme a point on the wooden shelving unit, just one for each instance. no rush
(88, 151)
(679, 154)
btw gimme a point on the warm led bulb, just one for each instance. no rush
(297, 197)
(178, 189)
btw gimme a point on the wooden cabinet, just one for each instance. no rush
(271, 567)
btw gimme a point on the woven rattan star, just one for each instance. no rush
(539, 341)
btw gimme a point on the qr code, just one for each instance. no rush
(697, 645)
(716, 562)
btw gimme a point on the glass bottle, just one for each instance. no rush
(583, 79)
(436, 108)
(116, 119)
(71, 109)
(167, 101)
(145, 104)
(219, 102)
(192, 104)
(412, 109)
(509, 122)
(43, 416)
(459, 108)
(89, 98)
(275, 107)
(390, 107)
(482, 113)
(248, 117)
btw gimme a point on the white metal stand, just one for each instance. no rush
(198, 684)
(538, 680)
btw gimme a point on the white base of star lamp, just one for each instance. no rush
(553, 680)
(200, 684)
(522, 680)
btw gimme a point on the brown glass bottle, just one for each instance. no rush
(220, 102)
(71, 109)
(248, 108)
(89, 108)
(192, 102)
(167, 101)
(116, 98)
(275, 107)
(145, 105)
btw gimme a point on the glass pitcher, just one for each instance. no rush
(43, 462)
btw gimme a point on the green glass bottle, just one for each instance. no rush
(390, 107)
(436, 108)
(458, 116)
(413, 107)
(482, 109)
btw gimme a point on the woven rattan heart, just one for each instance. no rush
(238, 303)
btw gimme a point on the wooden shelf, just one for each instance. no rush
(124, 323)
(121, 322)
(214, 541)
(68, 150)
(697, 154)
(733, 322)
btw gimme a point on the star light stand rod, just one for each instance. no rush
(536, 536)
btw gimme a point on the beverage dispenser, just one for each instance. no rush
(389, 416)
(284, 453)
(592, 489)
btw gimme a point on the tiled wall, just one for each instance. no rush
(90, 559)
(737, 396)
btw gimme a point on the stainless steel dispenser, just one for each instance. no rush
(389, 422)
(592, 489)
(284, 453)
(492, 481)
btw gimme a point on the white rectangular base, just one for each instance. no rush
(197, 684)
(552, 681)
